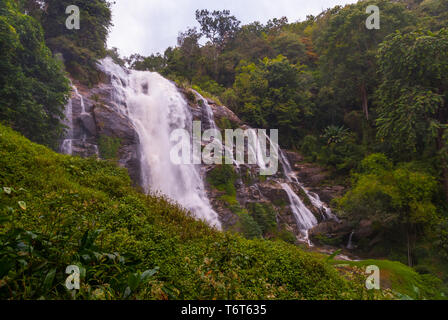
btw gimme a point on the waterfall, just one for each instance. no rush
(211, 124)
(67, 143)
(304, 217)
(70, 139)
(314, 198)
(210, 119)
(81, 100)
(350, 241)
(156, 108)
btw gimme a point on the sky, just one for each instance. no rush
(150, 26)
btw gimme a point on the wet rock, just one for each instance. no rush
(274, 192)
(113, 124)
(335, 232)
(88, 124)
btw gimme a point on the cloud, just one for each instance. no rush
(149, 26)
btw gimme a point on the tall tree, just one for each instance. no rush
(348, 48)
(80, 48)
(33, 88)
(217, 26)
(413, 95)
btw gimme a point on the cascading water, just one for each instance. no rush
(210, 122)
(304, 217)
(71, 138)
(314, 198)
(67, 144)
(350, 245)
(156, 109)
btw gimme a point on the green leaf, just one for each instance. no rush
(133, 281)
(22, 205)
(5, 267)
(48, 281)
(148, 274)
(127, 293)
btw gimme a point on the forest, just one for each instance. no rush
(368, 105)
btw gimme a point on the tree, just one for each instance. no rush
(413, 95)
(396, 199)
(33, 88)
(348, 49)
(217, 26)
(274, 94)
(188, 43)
(80, 48)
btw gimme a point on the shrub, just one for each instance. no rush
(109, 147)
(264, 215)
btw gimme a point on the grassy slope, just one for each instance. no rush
(403, 281)
(63, 210)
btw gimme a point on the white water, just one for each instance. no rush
(156, 109)
(67, 144)
(314, 198)
(350, 241)
(81, 99)
(210, 120)
(304, 217)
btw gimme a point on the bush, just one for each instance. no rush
(250, 227)
(264, 215)
(223, 178)
(33, 87)
(109, 147)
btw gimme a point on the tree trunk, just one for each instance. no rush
(365, 102)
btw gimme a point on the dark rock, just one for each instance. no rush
(88, 123)
(130, 159)
(274, 192)
(113, 124)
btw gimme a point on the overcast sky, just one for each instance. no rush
(150, 26)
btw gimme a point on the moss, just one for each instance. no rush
(286, 236)
(190, 96)
(109, 147)
(206, 94)
(223, 178)
(306, 200)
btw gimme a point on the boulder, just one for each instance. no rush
(113, 124)
(88, 124)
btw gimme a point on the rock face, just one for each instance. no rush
(94, 115)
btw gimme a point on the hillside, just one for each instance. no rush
(58, 211)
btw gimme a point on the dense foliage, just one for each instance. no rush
(33, 88)
(79, 48)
